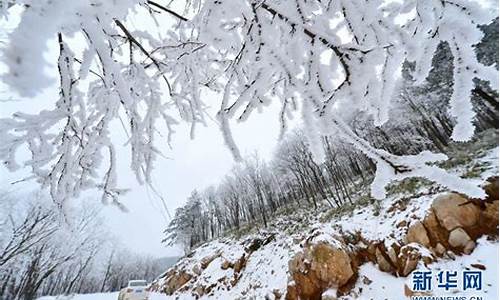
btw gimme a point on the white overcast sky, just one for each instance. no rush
(191, 164)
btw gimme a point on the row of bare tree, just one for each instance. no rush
(41, 253)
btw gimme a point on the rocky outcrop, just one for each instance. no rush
(186, 274)
(418, 234)
(175, 280)
(454, 222)
(320, 266)
(450, 227)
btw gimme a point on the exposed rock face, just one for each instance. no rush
(455, 222)
(319, 267)
(459, 238)
(175, 281)
(453, 211)
(418, 234)
(409, 256)
(451, 226)
(189, 274)
(383, 262)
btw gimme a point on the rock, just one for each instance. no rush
(402, 224)
(439, 249)
(471, 245)
(382, 262)
(196, 269)
(319, 267)
(291, 292)
(418, 234)
(240, 264)
(225, 265)
(410, 265)
(367, 280)
(489, 216)
(254, 244)
(199, 290)
(330, 294)
(332, 265)
(392, 252)
(452, 211)
(435, 232)
(491, 189)
(207, 260)
(408, 291)
(277, 294)
(478, 266)
(459, 238)
(409, 258)
(176, 281)
(428, 259)
(410, 255)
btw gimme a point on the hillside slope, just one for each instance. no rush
(365, 251)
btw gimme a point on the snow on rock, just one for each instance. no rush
(375, 284)
(255, 267)
(385, 227)
(319, 267)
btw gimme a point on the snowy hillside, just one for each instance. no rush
(366, 253)
(384, 287)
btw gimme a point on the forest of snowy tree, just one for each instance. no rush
(256, 191)
(38, 256)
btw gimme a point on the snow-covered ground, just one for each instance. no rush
(99, 296)
(381, 285)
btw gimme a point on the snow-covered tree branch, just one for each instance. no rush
(330, 59)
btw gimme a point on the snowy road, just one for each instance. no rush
(99, 296)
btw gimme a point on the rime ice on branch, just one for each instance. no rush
(327, 58)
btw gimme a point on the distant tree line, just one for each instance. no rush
(43, 254)
(255, 190)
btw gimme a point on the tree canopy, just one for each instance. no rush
(330, 60)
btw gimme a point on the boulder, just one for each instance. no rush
(439, 250)
(489, 216)
(226, 265)
(319, 267)
(240, 264)
(459, 238)
(453, 210)
(383, 263)
(435, 231)
(176, 281)
(469, 247)
(332, 265)
(491, 189)
(208, 259)
(418, 234)
(410, 265)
